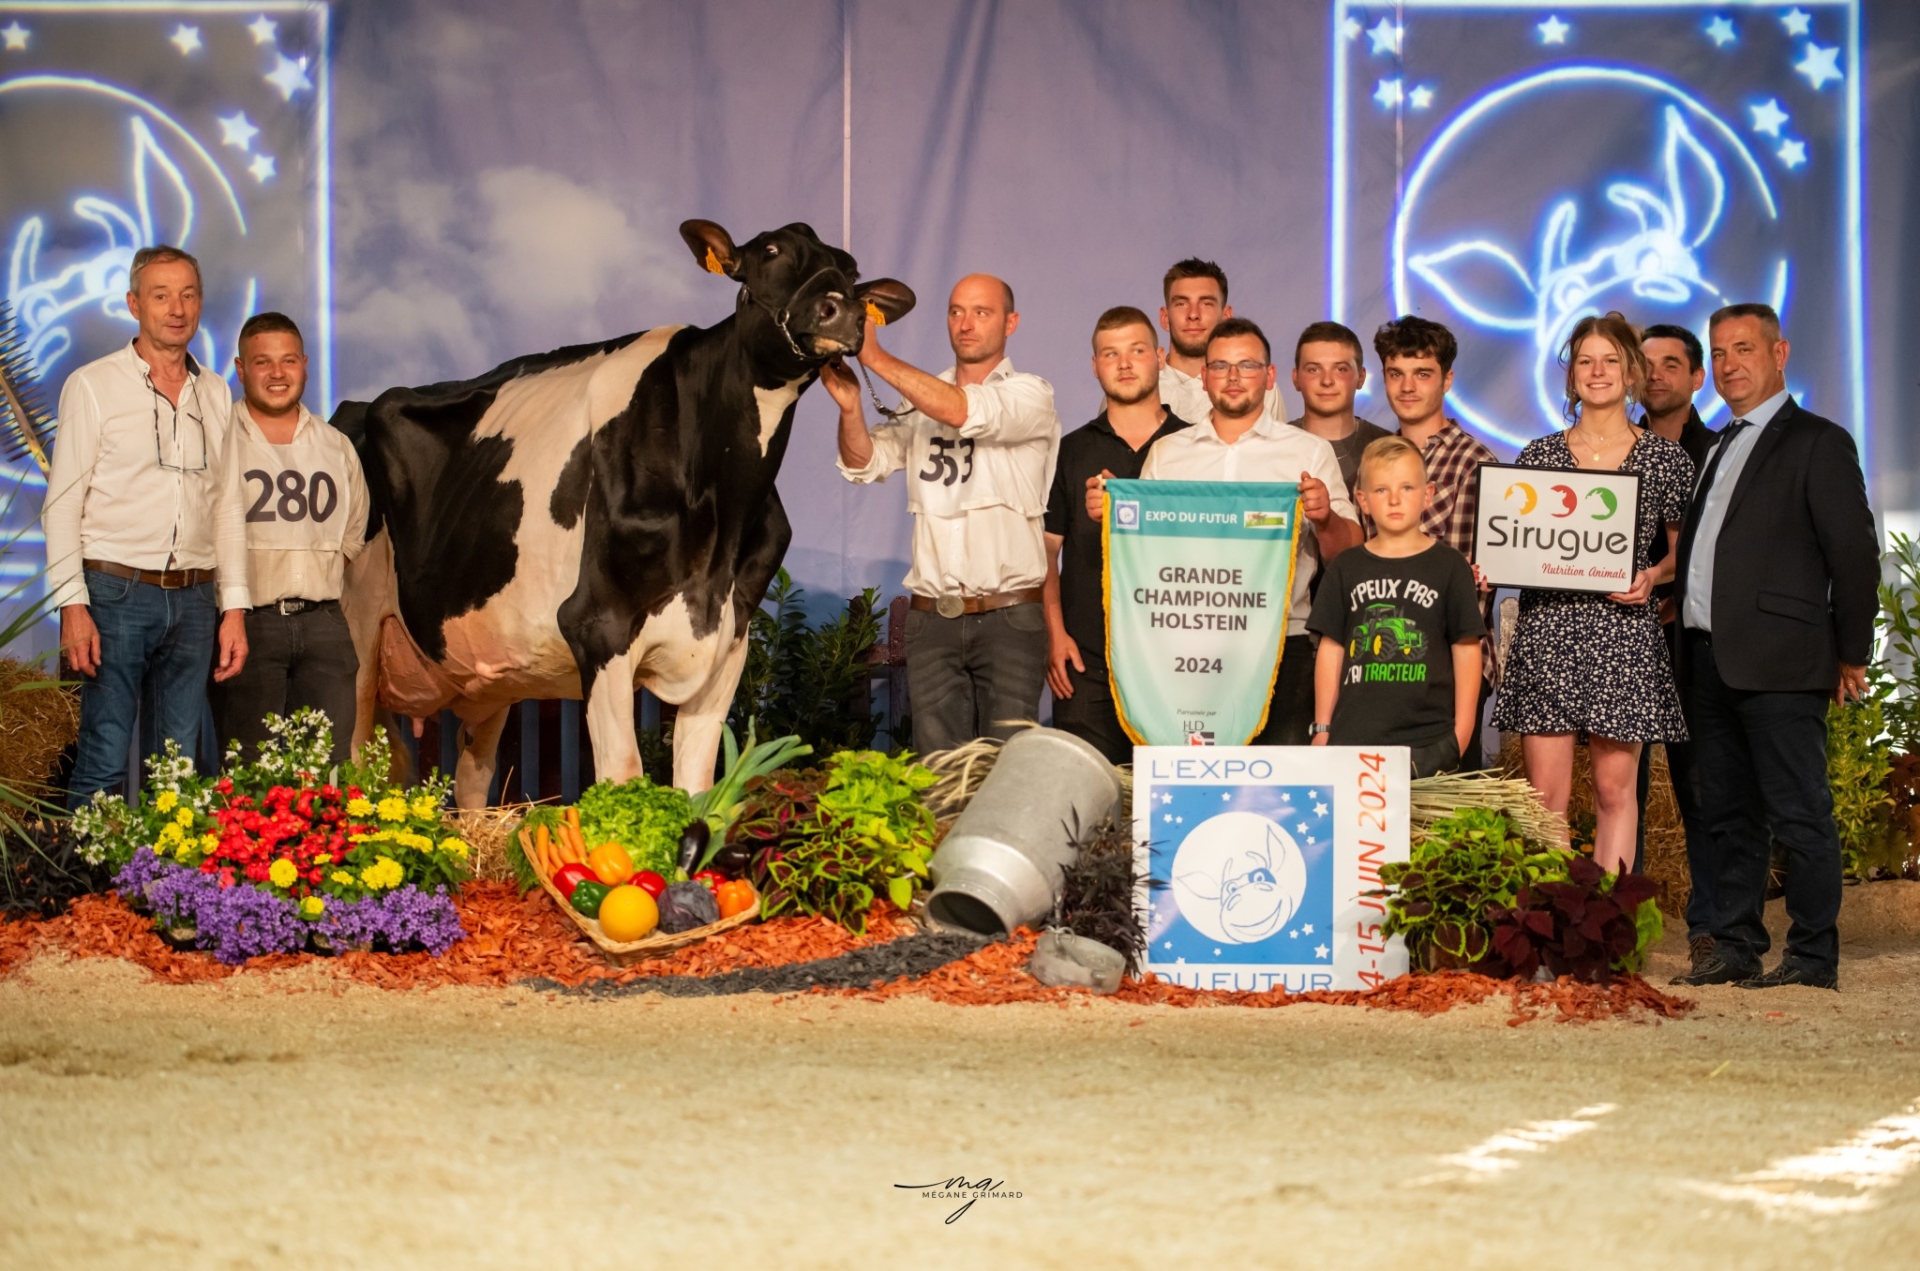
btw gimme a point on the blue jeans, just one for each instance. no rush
(156, 650)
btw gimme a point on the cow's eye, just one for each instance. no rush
(773, 249)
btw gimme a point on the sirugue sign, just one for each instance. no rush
(1199, 575)
(1255, 862)
(1570, 529)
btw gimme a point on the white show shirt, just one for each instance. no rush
(306, 507)
(1186, 396)
(140, 482)
(978, 492)
(1271, 450)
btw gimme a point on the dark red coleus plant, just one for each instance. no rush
(1583, 927)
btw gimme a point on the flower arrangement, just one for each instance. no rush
(278, 852)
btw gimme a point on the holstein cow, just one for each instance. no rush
(583, 522)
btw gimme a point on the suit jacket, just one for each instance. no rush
(1796, 569)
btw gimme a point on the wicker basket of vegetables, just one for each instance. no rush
(608, 862)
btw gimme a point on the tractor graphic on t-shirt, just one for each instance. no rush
(1384, 635)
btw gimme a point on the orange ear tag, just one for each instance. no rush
(713, 263)
(874, 315)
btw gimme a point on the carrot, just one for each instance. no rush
(572, 817)
(541, 845)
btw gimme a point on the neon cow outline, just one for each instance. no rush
(1660, 261)
(42, 305)
(1263, 905)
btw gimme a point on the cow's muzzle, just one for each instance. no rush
(831, 325)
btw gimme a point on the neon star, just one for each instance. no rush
(262, 168)
(263, 29)
(1388, 93)
(1792, 154)
(1768, 117)
(185, 38)
(1721, 32)
(1553, 31)
(1386, 37)
(1796, 21)
(16, 36)
(1351, 28)
(1420, 98)
(1820, 65)
(289, 76)
(237, 130)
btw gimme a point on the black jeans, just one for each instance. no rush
(975, 675)
(1290, 713)
(1760, 764)
(1090, 713)
(293, 660)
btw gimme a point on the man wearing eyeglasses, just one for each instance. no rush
(1241, 441)
(144, 520)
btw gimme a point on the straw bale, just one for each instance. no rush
(36, 725)
(486, 831)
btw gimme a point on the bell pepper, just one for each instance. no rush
(567, 876)
(709, 879)
(649, 882)
(736, 896)
(587, 895)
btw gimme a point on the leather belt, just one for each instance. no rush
(955, 606)
(169, 579)
(291, 605)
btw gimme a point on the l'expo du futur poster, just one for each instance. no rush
(1255, 863)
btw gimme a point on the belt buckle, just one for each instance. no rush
(950, 606)
(288, 607)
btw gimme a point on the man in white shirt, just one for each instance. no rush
(1239, 441)
(978, 442)
(306, 518)
(142, 515)
(1193, 302)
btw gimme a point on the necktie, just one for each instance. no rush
(1727, 435)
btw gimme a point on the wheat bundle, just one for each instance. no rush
(1431, 798)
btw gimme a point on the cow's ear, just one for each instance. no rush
(890, 299)
(712, 247)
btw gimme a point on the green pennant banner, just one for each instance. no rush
(1199, 576)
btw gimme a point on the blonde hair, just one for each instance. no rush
(1613, 327)
(1383, 450)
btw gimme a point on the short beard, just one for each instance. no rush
(1254, 406)
(1188, 350)
(1147, 389)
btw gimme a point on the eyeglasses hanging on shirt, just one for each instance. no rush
(181, 456)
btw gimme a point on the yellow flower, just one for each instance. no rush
(454, 846)
(383, 873)
(342, 877)
(324, 858)
(283, 873)
(209, 841)
(166, 802)
(418, 842)
(425, 808)
(183, 851)
(170, 834)
(183, 818)
(393, 808)
(359, 807)
(313, 907)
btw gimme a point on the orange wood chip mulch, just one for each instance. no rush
(512, 938)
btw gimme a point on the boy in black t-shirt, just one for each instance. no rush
(1399, 626)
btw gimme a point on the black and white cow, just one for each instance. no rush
(584, 522)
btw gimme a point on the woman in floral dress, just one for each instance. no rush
(1592, 664)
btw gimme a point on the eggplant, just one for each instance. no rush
(693, 842)
(732, 861)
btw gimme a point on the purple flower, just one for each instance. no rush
(238, 922)
(398, 919)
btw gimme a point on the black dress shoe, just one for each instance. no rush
(1699, 952)
(1718, 969)
(1793, 973)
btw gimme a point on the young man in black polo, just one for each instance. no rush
(1126, 362)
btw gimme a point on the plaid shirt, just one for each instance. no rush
(1453, 457)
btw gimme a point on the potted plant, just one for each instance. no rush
(1462, 867)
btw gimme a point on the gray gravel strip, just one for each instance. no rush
(861, 969)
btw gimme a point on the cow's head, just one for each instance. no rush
(797, 295)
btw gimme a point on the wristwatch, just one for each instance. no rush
(1314, 730)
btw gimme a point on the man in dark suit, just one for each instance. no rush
(1777, 582)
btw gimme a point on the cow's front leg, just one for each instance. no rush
(696, 728)
(473, 774)
(616, 751)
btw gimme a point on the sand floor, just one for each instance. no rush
(295, 1121)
